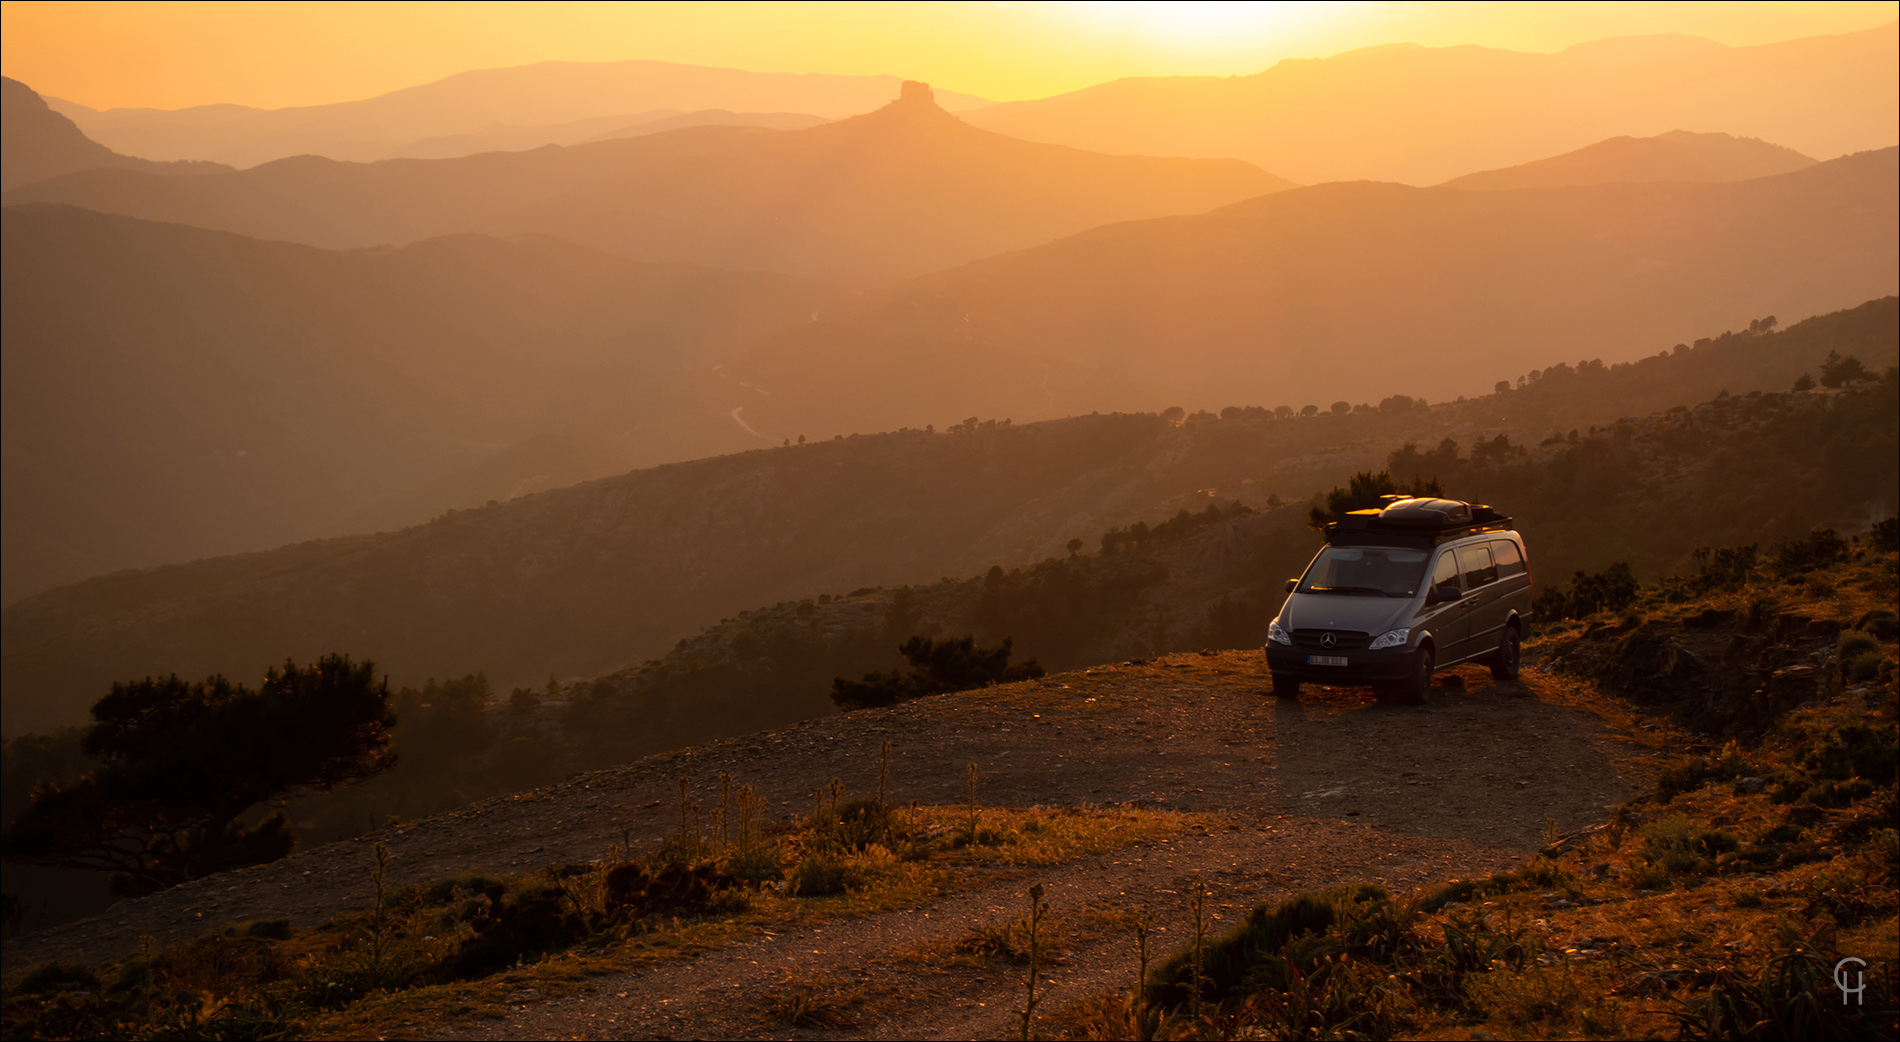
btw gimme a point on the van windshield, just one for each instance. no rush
(1365, 571)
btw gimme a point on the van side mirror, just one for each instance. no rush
(1291, 585)
(1443, 592)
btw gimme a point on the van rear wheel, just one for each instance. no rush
(1507, 657)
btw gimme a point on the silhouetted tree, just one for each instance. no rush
(1501, 386)
(937, 667)
(1075, 546)
(1804, 382)
(1173, 414)
(1341, 408)
(181, 763)
(1362, 492)
(1836, 370)
(1310, 411)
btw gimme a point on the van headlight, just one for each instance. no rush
(1392, 639)
(1278, 635)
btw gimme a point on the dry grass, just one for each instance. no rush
(322, 981)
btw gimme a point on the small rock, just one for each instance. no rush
(1751, 785)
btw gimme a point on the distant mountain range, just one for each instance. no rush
(172, 393)
(502, 138)
(248, 394)
(902, 191)
(1347, 290)
(584, 580)
(37, 143)
(549, 103)
(1423, 115)
(1676, 156)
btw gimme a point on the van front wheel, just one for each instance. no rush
(1286, 687)
(1416, 689)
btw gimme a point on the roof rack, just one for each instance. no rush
(1415, 521)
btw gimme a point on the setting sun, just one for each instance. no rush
(1209, 24)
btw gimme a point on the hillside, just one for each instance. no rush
(647, 365)
(1676, 156)
(1570, 853)
(37, 143)
(1734, 471)
(1421, 115)
(547, 103)
(898, 192)
(586, 580)
(172, 393)
(1250, 302)
(506, 138)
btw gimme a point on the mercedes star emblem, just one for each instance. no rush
(1327, 640)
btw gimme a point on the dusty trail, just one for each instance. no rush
(1334, 788)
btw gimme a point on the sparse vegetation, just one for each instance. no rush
(465, 943)
(181, 764)
(1611, 932)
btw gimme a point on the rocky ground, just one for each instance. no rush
(1334, 788)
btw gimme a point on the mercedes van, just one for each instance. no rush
(1400, 593)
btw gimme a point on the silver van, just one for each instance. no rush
(1400, 593)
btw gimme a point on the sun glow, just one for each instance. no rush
(1206, 24)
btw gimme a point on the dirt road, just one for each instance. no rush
(1331, 789)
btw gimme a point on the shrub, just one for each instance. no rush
(1821, 549)
(57, 976)
(1858, 655)
(1612, 589)
(1793, 996)
(1670, 843)
(824, 875)
(1883, 624)
(1255, 954)
(1866, 749)
(1885, 536)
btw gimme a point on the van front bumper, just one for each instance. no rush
(1363, 666)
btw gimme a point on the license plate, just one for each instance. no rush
(1325, 660)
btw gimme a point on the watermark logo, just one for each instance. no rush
(1859, 981)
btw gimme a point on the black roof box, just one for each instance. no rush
(1414, 521)
(1426, 513)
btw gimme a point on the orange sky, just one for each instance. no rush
(275, 54)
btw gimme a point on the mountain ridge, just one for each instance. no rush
(1380, 113)
(38, 142)
(890, 194)
(1230, 305)
(1678, 155)
(542, 95)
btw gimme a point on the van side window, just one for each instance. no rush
(1475, 562)
(1510, 562)
(1446, 571)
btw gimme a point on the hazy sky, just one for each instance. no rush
(169, 55)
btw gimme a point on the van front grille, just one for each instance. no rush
(1344, 640)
